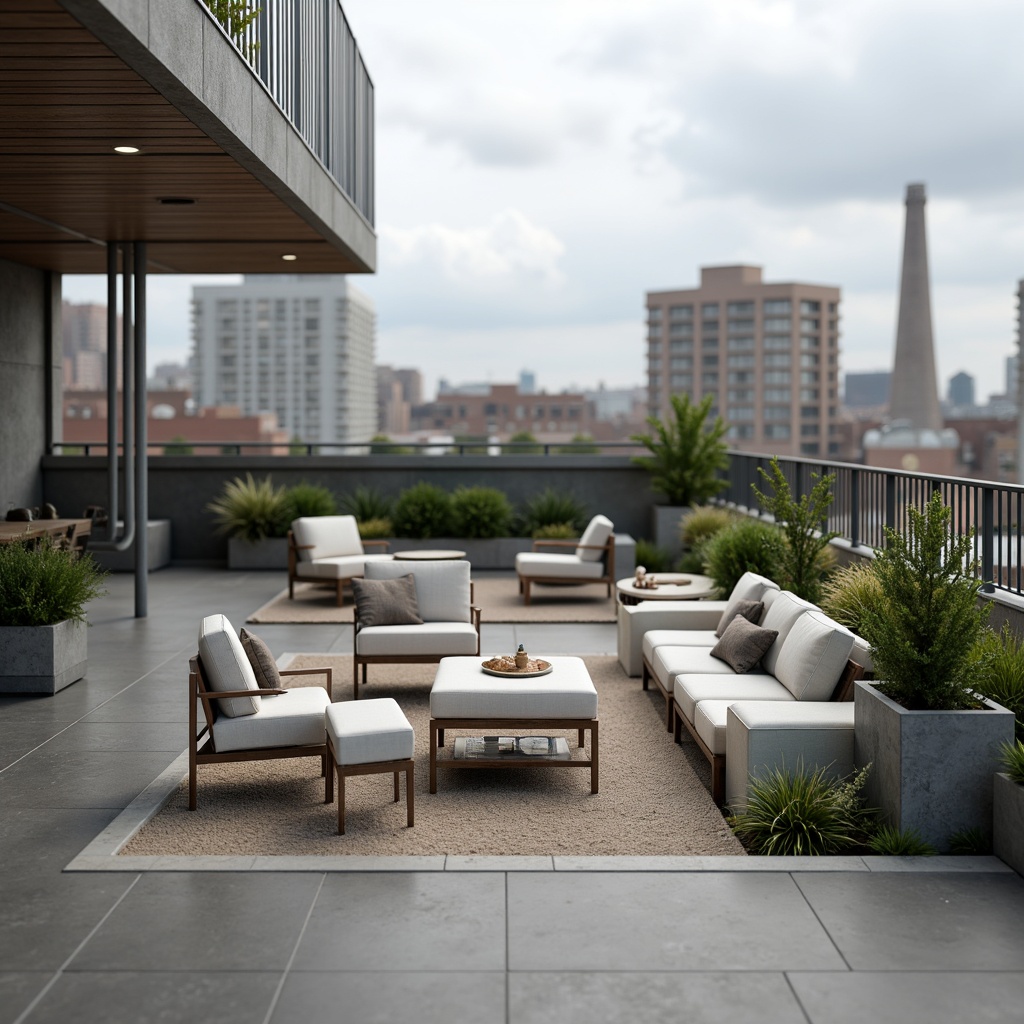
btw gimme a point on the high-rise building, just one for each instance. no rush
(301, 346)
(84, 333)
(961, 390)
(767, 353)
(867, 389)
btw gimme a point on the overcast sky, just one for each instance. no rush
(541, 164)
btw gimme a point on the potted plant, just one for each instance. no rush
(1008, 808)
(43, 593)
(687, 454)
(255, 516)
(933, 741)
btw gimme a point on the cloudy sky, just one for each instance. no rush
(543, 163)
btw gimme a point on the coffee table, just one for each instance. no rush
(430, 555)
(672, 586)
(465, 697)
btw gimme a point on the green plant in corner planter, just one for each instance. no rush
(480, 512)
(252, 510)
(423, 511)
(46, 586)
(890, 841)
(1012, 757)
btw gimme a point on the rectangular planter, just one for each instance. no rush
(1008, 821)
(665, 528)
(42, 659)
(931, 770)
(269, 553)
(158, 550)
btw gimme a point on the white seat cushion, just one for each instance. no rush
(709, 720)
(326, 537)
(785, 610)
(654, 638)
(669, 662)
(367, 731)
(598, 530)
(430, 638)
(337, 567)
(570, 567)
(807, 715)
(813, 657)
(442, 588)
(226, 666)
(292, 719)
(689, 691)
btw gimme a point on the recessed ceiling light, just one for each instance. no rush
(289, 256)
(176, 201)
(126, 149)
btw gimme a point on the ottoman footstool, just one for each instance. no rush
(368, 737)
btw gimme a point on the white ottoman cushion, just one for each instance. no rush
(689, 691)
(226, 666)
(367, 731)
(813, 657)
(292, 719)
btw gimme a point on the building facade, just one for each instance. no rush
(300, 346)
(767, 353)
(84, 335)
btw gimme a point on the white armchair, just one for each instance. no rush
(329, 550)
(592, 560)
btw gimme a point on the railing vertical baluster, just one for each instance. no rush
(987, 538)
(854, 508)
(890, 501)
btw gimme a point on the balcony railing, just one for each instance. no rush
(306, 56)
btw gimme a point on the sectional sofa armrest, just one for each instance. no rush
(844, 688)
(324, 670)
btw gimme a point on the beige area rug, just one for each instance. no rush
(498, 600)
(653, 798)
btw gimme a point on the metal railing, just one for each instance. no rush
(307, 59)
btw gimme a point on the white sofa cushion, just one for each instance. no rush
(570, 567)
(431, 638)
(367, 731)
(655, 638)
(749, 587)
(785, 610)
(598, 530)
(442, 588)
(337, 567)
(292, 719)
(226, 666)
(689, 691)
(669, 662)
(709, 720)
(813, 656)
(329, 537)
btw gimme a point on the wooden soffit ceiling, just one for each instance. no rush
(66, 100)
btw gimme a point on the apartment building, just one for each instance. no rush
(767, 353)
(300, 346)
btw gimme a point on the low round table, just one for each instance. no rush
(430, 555)
(672, 586)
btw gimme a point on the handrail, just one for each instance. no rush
(284, 449)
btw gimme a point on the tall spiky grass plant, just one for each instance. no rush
(848, 592)
(252, 510)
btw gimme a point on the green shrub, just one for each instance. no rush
(1000, 672)
(480, 512)
(691, 562)
(423, 511)
(702, 523)
(307, 499)
(893, 842)
(551, 506)
(45, 586)
(522, 443)
(375, 529)
(556, 531)
(1012, 757)
(970, 842)
(252, 511)
(651, 557)
(848, 591)
(747, 546)
(381, 444)
(366, 503)
(802, 814)
(582, 444)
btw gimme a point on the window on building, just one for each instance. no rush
(778, 325)
(709, 380)
(709, 343)
(654, 313)
(809, 448)
(740, 308)
(777, 431)
(810, 306)
(776, 394)
(681, 330)
(709, 360)
(740, 345)
(809, 395)
(809, 324)
(738, 362)
(742, 326)
(808, 429)
(681, 381)
(777, 412)
(680, 346)
(680, 313)
(681, 362)
(741, 377)
(776, 377)
(809, 359)
(740, 395)
(777, 343)
(740, 432)
(776, 359)
(808, 377)
(709, 311)
(655, 380)
(771, 307)
(810, 342)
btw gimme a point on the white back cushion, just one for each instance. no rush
(226, 666)
(813, 656)
(749, 587)
(785, 610)
(330, 537)
(442, 588)
(598, 530)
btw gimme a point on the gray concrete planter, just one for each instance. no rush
(42, 659)
(665, 528)
(1008, 821)
(931, 770)
(269, 553)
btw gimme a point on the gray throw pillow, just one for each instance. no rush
(743, 644)
(264, 667)
(750, 610)
(387, 602)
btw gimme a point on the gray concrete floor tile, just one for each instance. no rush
(653, 998)
(906, 922)
(40, 839)
(124, 997)
(406, 922)
(948, 997)
(451, 997)
(140, 736)
(17, 990)
(567, 921)
(198, 922)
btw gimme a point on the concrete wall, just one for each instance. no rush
(180, 487)
(28, 316)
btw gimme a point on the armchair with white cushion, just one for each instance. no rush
(591, 561)
(329, 550)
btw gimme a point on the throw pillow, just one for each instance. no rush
(264, 667)
(750, 610)
(387, 602)
(743, 644)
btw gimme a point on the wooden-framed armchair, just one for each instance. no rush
(592, 559)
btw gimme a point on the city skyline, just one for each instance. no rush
(540, 167)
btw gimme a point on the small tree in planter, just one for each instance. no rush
(482, 512)
(423, 511)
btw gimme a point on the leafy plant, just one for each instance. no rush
(651, 557)
(582, 444)
(894, 842)
(556, 531)
(381, 444)
(999, 674)
(178, 445)
(702, 523)
(522, 443)
(970, 842)
(1012, 757)
(45, 586)
(550, 507)
(747, 546)
(803, 525)
(480, 512)
(366, 503)
(802, 813)
(848, 591)
(687, 452)
(925, 630)
(375, 529)
(251, 510)
(305, 499)
(236, 16)
(422, 511)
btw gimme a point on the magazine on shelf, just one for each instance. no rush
(494, 748)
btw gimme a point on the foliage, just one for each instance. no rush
(802, 813)
(803, 524)
(848, 591)
(1012, 757)
(686, 453)
(422, 511)
(582, 444)
(925, 630)
(305, 499)
(894, 842)
(45, 586)
(747, 546)
(381, 444)
(252, 511)
(375, 529)
(470, 444)
(970, 842)
(236, 16)
(296, 446)
(178, 445)
(651, 557)
(522, 443)
(366, 503)
(691, 561)
(551, 506)
(999, 672)
(702, 522)
(556, 531)
(480, 512)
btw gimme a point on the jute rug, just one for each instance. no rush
(498, 600)
(653, 798)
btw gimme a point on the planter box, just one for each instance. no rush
(1008, 821)
(158, 550)
(665, 528)
(269, 553)
(931, 770)
(42, 659)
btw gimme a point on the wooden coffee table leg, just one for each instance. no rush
(579, 737)
(433, 757)
(396, 787)
(593, 758)
(341, 802)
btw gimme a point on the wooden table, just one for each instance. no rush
(58, 529)
(672, 586)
